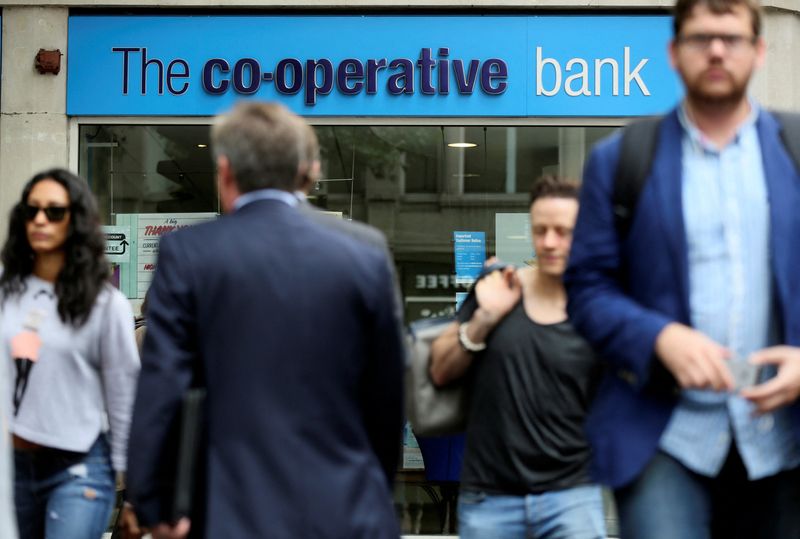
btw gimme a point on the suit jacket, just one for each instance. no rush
(362, 232)
(292, 328)
(622, 294)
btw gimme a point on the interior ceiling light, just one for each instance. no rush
(462, 145)
(202, 145)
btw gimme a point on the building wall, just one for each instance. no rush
(33, 121)
(34, 128)
(777, 84)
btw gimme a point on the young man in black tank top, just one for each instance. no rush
(526, 462)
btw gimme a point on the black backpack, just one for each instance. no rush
(639, 142)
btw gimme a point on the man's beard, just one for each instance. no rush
(696, 93)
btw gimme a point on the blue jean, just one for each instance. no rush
(574, 513)
(64, 495)
(667, 501)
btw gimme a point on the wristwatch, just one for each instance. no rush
(465, 341)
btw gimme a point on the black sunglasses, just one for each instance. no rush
(54, 214)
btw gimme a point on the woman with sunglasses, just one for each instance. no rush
(72, 358)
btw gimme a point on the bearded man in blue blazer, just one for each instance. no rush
(705, 282)
(291, 327)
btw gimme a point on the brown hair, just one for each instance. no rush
(311, 156)
(683, 11)
(549, 186)
(265, 144)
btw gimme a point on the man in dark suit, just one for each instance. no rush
(703, 285)
(312, 171)
(291, 326)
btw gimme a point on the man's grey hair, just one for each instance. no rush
(265, 144)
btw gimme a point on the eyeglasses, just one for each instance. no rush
(54, 214)
(702, 42)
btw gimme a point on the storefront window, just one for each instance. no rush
(418, 184)
(148, 168)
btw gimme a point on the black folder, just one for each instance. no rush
(190, 442)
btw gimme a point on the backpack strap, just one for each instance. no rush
(790, 134)
(638, 146)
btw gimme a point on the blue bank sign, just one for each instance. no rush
(372, 65)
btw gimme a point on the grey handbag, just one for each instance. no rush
(432, 410)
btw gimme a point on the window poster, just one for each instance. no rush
(470, 254)
(117, 250)
(412, 457)
(143, 233)
(513, 233)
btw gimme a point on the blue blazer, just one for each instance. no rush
(622, 294)
(291, 327)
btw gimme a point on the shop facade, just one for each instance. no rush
(433, 123)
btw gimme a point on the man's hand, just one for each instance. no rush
(179, 530)
(498, 292)
(129, 524)
(784, 388)
(695, 361)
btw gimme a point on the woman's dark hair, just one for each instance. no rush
(85, 270)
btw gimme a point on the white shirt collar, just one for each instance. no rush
(265, 194)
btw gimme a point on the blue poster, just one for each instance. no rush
(470, 254)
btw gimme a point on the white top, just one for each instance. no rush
(84, 379)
